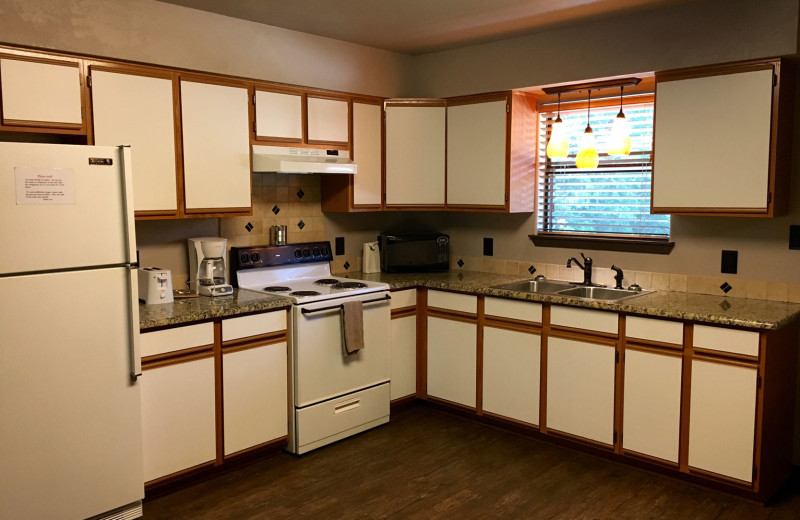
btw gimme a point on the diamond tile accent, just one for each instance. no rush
(276, 209)
(725, 305)
(460, 263)
(301, 224)
(460, 276)
(346, 265)
(726, 287)
(249, 227)
(531, 269)
(300, 193)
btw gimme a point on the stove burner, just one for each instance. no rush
(277, 288)
(304, 293)
(349, 285)
(326, 281)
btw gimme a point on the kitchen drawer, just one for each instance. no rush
(453, 301)
(587, 319)
(664, 331)
(253, 325)
(338, 418)
(515, 310)
(179, 338)
(726, 340)
(406, 298)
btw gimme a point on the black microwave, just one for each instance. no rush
(414, 252)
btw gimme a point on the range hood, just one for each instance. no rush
(280, 159)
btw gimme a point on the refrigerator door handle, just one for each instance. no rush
(127, 201)
(135, 352)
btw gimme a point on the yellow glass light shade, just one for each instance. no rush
(587, 151)
(558, 145)
(619, 142)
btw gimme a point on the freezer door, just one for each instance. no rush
(70, 434)
(63, 206)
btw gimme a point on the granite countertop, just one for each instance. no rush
(736, 312)
(188, 310)
(722, 310)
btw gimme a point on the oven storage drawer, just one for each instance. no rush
(338, 418)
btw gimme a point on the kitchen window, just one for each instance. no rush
(611, 201)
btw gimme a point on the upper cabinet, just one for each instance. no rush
(41, 94)
(722, 140)
(490, 163)
(415, 154)
(136, 107)
(364, 190)
(285, 116)
(216, 146)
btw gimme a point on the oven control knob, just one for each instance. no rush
(324, 250)
(244, 258)
(306, 252)
(298, 253)
(315, 251)
(255, 257)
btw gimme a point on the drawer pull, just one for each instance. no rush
(345, 407)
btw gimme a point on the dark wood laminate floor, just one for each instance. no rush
(430, 464)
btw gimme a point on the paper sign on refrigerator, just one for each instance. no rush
(45, 185)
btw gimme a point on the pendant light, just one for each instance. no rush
(619, 143)
(587, 151)
(558, 145)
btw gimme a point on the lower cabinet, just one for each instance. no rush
(511, 366)
(254, 391)
(403, 356)
(722, 418)
(452, 360)
(651, 416)
(580, 389)
(178, 417)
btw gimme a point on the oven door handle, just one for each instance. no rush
(311, 311)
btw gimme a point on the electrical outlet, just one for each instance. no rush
(794, 237)
(488, 247)
(730, 261)
(339, 246)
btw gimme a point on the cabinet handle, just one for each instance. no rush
(306, 311)
(346, 407)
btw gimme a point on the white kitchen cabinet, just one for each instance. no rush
(719, 146)
(279, 116)
(178, 417)
(41, 92)
(216, 147)
(476, 153)
(452, 360)
(580, 388)
(511, 370)
(137, 108)
(254, 390)
(722, 418)
(652, 404)
(415, 154)
(403, 356)
(328, 120)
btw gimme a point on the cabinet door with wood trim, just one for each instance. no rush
(178, 417)
(137, 108)
(652, 403)
(719, 144)
(452, 360)
(580, 388)
(403, 356)
(722, 418)
(279, 116)
(476, 153)
(328, 120)
(216, 147)
(511, 368)
(415, 154)
(254, 390)
(42, 93)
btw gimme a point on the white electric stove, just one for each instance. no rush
(334, 394)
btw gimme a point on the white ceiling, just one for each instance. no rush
(419, 26)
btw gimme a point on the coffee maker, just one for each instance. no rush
(207, 266)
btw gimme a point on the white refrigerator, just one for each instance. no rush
(70, 421)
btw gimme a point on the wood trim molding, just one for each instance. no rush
(257, 340)
(403, 312)
(667, 349)
(601, 338)
(512, 324)
(631, 245)
(177, 357)
(447, 314)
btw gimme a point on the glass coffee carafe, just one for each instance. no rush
(212, 271)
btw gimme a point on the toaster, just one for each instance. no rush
(155, 285)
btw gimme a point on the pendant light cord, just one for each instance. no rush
(588, 110)
(620, 103)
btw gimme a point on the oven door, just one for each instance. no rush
(321, 367)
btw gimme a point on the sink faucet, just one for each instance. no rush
(618, 277)
(586, 268)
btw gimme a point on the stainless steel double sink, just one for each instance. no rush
(571, 289)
